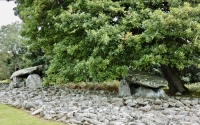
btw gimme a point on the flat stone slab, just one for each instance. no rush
(145, 79)
(27, 71)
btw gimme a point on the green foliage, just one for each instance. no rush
(11, 49)
(10, 39)
(101, 39)
(4, 65)
(34, 58)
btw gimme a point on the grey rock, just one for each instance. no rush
(16, 104)
(27, 105)
(4, 86)
(178, 94)
(124, 89)
(145, 108)
(145, 79)
(117, 101)
(116, 123)
(147, 92)
(194, 102)
(101, 118)
(179, 104)
(38, 111)
(186, 102)
(195, 123)
(16, 82)
(158, 102)
(48, 117)
(25, 72)
(34, 81)
(185, 123)
(198, 114)
(130, 102)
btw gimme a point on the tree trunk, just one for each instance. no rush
(174, 82)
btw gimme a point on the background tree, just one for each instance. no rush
(102, 39)
(4, 65)
(12, 48)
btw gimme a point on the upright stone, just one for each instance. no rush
(124, 89)
(34, 81)
(17, 82)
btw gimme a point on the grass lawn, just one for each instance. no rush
(12, 116)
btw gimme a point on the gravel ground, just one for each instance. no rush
(84, 107)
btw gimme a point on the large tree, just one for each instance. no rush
(102, 39)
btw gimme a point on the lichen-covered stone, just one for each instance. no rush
(145, 79)
(17, 82)
(25, 72)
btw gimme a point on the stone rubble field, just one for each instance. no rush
(84, 107)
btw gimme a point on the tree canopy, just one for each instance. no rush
(102, 39)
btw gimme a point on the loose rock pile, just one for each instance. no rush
(99, 107)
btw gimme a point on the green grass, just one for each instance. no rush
(12, 116)
(194, 90)
(5, 81)
(195, 87)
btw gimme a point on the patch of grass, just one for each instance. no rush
(111, 86)
(5, 81)
(194, 90)
(195, 87)
(12, 116)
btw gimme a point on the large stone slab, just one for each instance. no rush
(31, 70)
(34, 81)
(145, 79)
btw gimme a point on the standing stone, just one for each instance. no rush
(124, 89)
(17, 82)
(34, 81)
